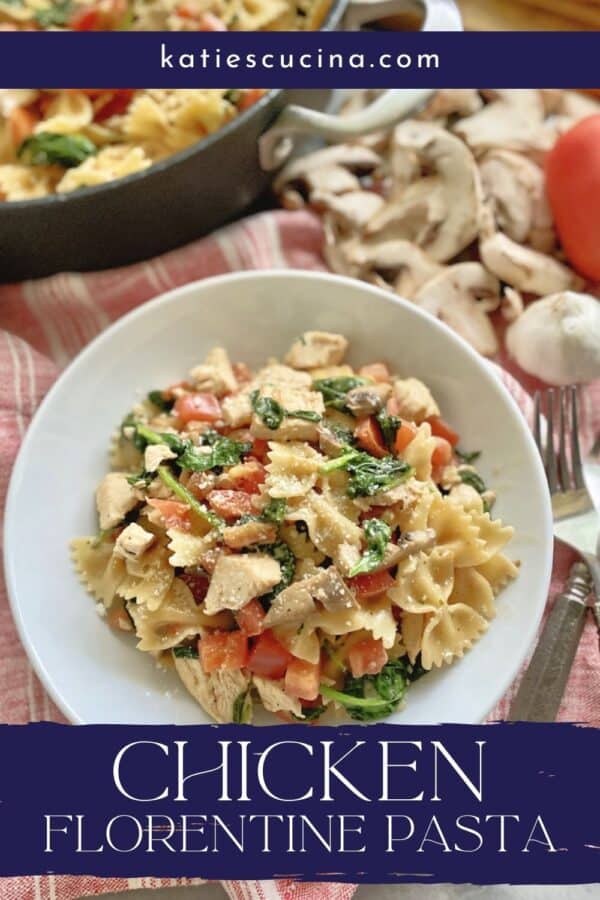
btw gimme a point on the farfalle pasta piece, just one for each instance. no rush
(457, 532)
(424, 581)
(448, 633)
(328, 529)
(175, 619)
(99, 569)
(68, 112)
(300, 544)
(411, 513)
(411, 629)
(111, 162)
(149, 579)
(419, 451)
(498, 571)
(493, 533)
(292, 469)
(472, 589)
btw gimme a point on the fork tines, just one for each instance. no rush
(564, 469)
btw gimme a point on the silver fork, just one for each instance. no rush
(577, 523)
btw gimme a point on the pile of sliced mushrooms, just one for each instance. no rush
(448, 209)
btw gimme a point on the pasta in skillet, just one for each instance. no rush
(306, 537)
(60, 141)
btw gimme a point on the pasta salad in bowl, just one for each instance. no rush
(302, 526)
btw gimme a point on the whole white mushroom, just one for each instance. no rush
(558, 338)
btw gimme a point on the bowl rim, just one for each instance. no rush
(331, 20)
(172, 296)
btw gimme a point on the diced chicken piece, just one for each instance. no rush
(155, 454)
(216, 693)
(415, 401)
(467, 497)
(133, 542)
(317, 348)
(237, 410)
(332, 372)
(238, 536)
(115, 497)
(237, 579)
(215, 375)
(367, 399)
(292, 605)
(330, 589)
(290, 398)
(410, 542)
(275, 373)
(405, 495)
(274, 697)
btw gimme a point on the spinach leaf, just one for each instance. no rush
(56, 15)
(368, 475)
(466, 456)
(308, 414)
(159, 400)
(242, 708)
(224, 451)
(310, 713)
(378, 535)
(474, 479)
(272, 413)
(274, 511)
(389, 426)
(372, 696)
(334, 390)
(287, 561)
(47, 149)
(129, 432)
(187, 651)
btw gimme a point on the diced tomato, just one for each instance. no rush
(442, 455)
(369, 437)
(392, 407)
(249, 98)
(250, 618)
(404, 436)
(375, 512)
(441, 429)
(302, 679)
(197, 583)
(368, 657)
(268, 657)
(260, 449)
(21, 122)
(115, 105)
(107, 15)
(85, 18)
(376, 371)
(174, 513)
(230, 505)
(371, 584)
(197, 408)
(248, 476)
(223, 650)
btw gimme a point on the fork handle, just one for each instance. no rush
(594, 567)
(541, 690)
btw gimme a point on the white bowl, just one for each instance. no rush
(95, 675)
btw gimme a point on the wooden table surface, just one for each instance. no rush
(531, 15)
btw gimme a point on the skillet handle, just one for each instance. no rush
(276, 144)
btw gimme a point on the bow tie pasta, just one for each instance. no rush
(307, 537)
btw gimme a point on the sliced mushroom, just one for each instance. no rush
(458, 184)
(524, 268)
(291, 606)
(352, 210)
(461, 296)
(406, 265)
(292, 185)
(452, 102)
(367, 399)
(511, 305)
(513, 120)
(415, 215)
(410, 542)
(330, 589)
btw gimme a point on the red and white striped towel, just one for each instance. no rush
(43, 325)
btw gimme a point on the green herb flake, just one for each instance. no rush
(310, 713)
(158, 399)
(47, 149)
(272, 413)
(378, 535)
(57, 15)
(389, 426)
(274, 511)
(467, 456)
(242, 708)
(369, 475)
(287, 562)
(307, 414)
(474, 479)
(187, 651)
(334, 390)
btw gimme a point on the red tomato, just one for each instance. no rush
(260, 449)
(248, 476)
(371, 584)
(376, 371)
(249, 98)
(115, 106)
(21, 122)
(86, 18)
(375, 512)
(368, 657)
(302, 679)
(230, 504)
(442, 455)
(404, 436)
(223, 650)
(441, 429)
(250, 618)
(369, 437)
(107, 15)
(175, 514)
(573, 189)
(268, 657)
(197, 408)
(197, 583)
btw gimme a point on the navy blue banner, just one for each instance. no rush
(298, 59)
(489, 804)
